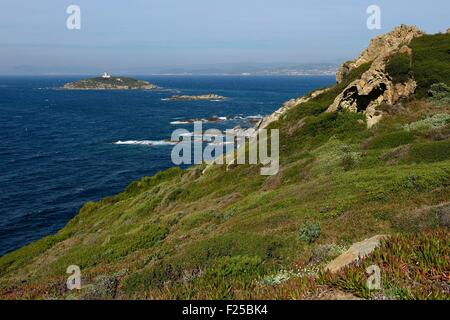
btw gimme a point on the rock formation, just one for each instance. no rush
(381, 46)
(375, 87)
(356, 252)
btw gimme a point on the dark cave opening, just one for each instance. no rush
(363, 101)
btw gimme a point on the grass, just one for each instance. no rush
(391, 140)
(430, 65)
(430, 152)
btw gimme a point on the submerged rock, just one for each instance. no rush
(210, 96)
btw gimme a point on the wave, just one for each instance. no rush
(215, 119)
(220, 143)
(146, 142)
(181, 122)
(258, 116)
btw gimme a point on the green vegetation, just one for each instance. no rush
(430, 63)
(436, 121)
(391, 140)
(439, 93)
(122, 83)
(232, 233)
(431, 151)
(310, 232)
(399, 68)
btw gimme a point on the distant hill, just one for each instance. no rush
(253, 69)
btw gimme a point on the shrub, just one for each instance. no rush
(391, 140)
(435, 122)
(203, 252)
(333, 154)
(310, 232)
(155, 277)
(430, 152)
(148, 182)
(279, 277)
(348, 162)
(236, 267)
(430, 61)
(438, 90)
(439, 93)
(121, 245)
(342, 124)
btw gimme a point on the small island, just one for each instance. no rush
(210, 97)
(107, 82)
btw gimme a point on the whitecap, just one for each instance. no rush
(220, 143)
(258, 116)
(180, 122)
(146, 142)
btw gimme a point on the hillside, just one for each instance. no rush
(111, 83)
(368, 156)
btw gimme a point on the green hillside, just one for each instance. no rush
(235, 234)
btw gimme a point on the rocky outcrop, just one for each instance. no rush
(356, 252)
(375, 87)
(383, 45)
(368, 93)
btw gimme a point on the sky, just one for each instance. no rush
(138, 34)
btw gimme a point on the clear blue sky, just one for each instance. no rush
(132, 34)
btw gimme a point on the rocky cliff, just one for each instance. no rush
(374, 87)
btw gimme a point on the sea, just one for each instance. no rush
(61, 148)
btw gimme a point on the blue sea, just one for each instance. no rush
(58, 148)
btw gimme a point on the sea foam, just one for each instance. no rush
(146, 142)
